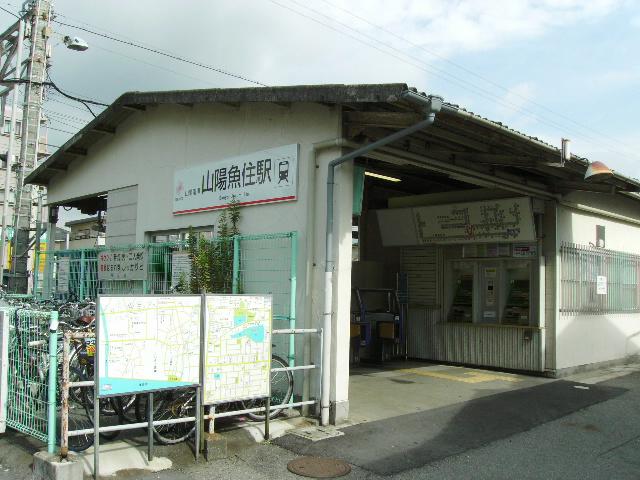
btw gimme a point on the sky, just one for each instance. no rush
(549, 68)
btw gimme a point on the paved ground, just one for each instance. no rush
(550, 430)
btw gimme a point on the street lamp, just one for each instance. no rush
(75, 43)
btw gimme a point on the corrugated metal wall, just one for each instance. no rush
(430, 338)
(421, 266)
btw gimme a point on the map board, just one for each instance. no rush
(128, 264)
(237, 347)
(148, 343)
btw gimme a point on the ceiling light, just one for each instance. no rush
(382, 177)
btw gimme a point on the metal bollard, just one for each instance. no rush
(51, 393)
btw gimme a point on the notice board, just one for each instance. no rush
(63, 275)
(129, 264)
(147, 343)
(237, 360)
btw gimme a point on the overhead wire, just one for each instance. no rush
(9, 12)
(60, 130)
(469, 71)
(163, 53)
(435, 71)
(423, 66)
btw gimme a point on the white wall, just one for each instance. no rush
(122, 205)
(585, 339)
(150, 145)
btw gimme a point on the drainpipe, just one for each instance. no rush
(430, 105)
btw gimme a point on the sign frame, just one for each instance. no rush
(142, 274)
(67, 273)
(204, 341)
(97, 364)
(261, 195)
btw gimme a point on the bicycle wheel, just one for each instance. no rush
(169, 405)
(281, 391)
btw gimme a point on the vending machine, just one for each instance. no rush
(491, 290)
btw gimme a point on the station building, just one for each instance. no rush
(425, 231)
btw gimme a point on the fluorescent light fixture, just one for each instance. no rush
(382, 177)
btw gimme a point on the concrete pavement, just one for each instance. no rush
(558, 431)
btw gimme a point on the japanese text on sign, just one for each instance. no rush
(63, 275)
(261, 177)
(123, 264)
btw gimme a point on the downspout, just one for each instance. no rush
(431, 105)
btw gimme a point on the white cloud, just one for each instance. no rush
(449, 27)
(618, 78)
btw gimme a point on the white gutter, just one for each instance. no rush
(431, 105)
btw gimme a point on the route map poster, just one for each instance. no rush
(503, 220)
(237, 348)
(148, 343)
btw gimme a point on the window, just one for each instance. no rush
(6, 129)
(18, 129)
(598, 281)
(175, 236)
(84, 233)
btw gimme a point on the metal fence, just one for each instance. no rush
(598, 281)
(31, 385)
(262, 264)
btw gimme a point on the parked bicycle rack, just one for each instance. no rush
(199, 418)
(212, 415)
(96, 430)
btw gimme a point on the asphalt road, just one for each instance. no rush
(591, 436)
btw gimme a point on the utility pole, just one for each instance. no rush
(38, 18)
(11, 65)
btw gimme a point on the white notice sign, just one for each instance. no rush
(180, 268)
(122, 264)
(601, 285)
(237, 360)
(262, 177)
(63, 275)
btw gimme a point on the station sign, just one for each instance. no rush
(266, 176)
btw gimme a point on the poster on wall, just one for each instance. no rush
(237, 361)
(266, 176)
(148, 343)
(63, 275)
(503, 220)
(128, 264)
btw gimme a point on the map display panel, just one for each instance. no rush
(148, 343)
(237, 347)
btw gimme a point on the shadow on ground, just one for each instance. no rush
(409, 441)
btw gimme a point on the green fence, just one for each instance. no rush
(31, 404)
(262, 264)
